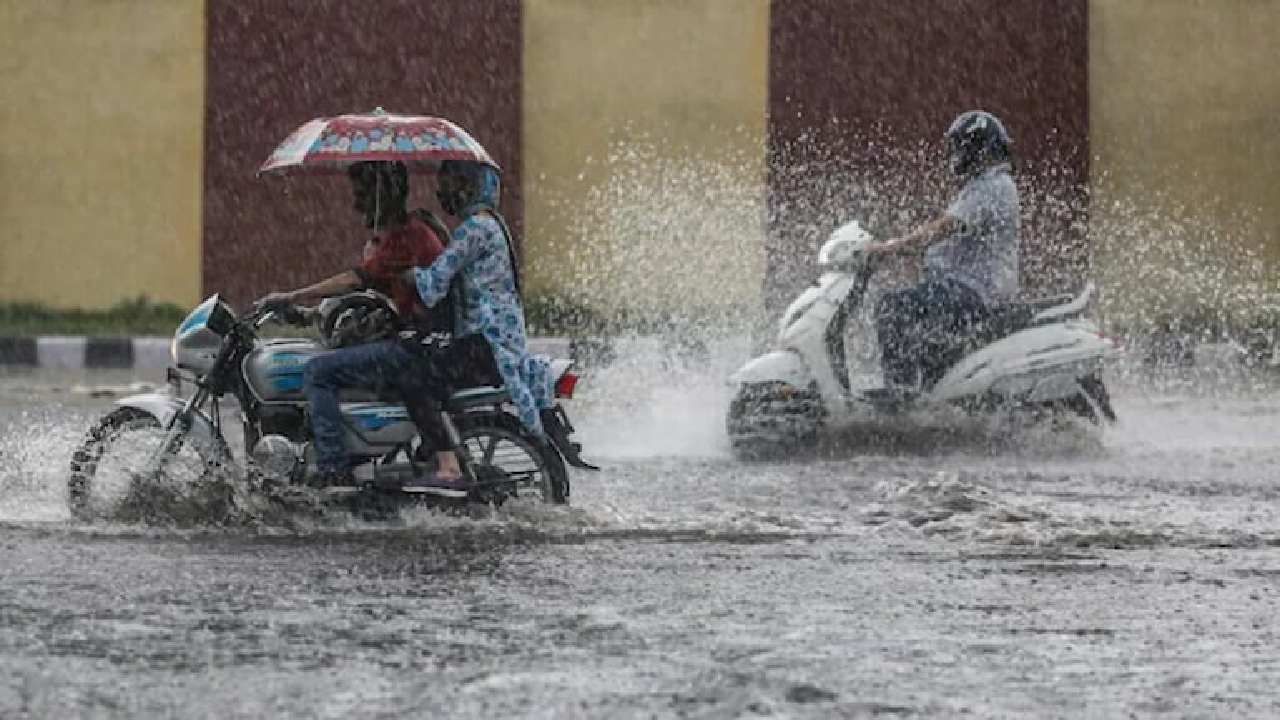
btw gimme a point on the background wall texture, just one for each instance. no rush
(665, 153)
(101, 108)
(274, 64)
(1185, 121)
(644, 138)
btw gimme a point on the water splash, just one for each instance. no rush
(34, 454)
(667, 234)
(1174, 278)
(658, 399)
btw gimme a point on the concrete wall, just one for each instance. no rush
(1184, 100)
(636, 135)
(644, 150)
(101, 107)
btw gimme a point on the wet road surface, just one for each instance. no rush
(931, 568)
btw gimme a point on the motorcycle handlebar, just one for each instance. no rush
(287, 314)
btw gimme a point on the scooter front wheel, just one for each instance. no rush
(772, 420)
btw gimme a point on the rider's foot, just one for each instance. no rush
(438, 484)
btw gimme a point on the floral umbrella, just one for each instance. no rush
(331, 144)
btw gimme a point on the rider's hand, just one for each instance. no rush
(888, 247)
(275, 301)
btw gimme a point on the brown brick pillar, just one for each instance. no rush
(273, 64)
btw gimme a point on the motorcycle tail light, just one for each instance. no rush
(566, 384)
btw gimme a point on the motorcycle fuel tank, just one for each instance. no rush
(274, 369)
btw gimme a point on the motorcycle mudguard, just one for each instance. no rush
(777, 366)
(164, 407)
(558, 428)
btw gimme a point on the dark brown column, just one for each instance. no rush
(861, 91)
(274, 64)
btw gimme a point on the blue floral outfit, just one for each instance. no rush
(479, 254)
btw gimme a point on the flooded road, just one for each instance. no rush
(934, 567)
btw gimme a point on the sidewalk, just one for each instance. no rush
(75, 352)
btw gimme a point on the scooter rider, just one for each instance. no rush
(970, 258)
(489, 344)
(400, 241)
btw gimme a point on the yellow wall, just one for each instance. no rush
(101, 111)
(1185, 132)
(644, 142)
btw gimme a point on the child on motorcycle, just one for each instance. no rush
(381, 191)
(489, 345)
(970, 258)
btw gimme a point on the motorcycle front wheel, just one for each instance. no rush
(105, 481)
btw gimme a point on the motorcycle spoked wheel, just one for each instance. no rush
(105, 482)
(510, 464)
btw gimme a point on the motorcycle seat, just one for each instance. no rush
(461, 400)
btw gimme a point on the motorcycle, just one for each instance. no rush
(1040, 354)
(219, 354)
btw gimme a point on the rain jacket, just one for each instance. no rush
(480, 252)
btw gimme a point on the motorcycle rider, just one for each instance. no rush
(489, 344)
(970, 255)
(401, 240)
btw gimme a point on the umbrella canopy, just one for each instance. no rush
(331, 144)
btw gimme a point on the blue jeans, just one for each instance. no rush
(923, 328)
(383, 365)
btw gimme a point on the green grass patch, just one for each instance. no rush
(139, 316)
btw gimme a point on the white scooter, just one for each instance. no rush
(1039, 354)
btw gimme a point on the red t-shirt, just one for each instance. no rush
(388, 255)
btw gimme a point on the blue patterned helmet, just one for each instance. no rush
(466, 187)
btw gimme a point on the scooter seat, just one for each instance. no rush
(1003, 320)
(483, 395)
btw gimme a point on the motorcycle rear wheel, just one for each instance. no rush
(499, 447)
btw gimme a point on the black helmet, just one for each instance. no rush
(381, 191)
(975, 140)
